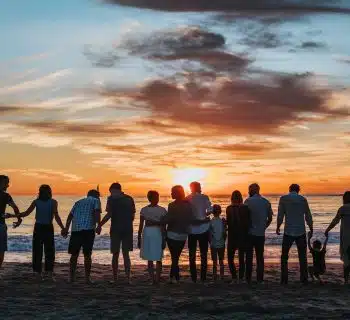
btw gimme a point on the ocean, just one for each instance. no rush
(323, 208)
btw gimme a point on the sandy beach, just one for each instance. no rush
(24, 298)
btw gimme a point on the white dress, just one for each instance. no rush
(152, 239)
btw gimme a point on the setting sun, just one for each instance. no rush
(185, 176)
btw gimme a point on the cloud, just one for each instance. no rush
(313, 45)
(163, 43)
(46, 174)
(76, 129)
(261, 6)
(44, 81)
(257, 106)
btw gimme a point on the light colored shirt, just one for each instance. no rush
(294, 209)
(83, 213)
(260, 210)
(217, 230)
(202, 206)
(153, 213)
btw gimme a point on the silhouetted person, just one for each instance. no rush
(121, 210)
(217, 241)
(151, 235)
(84, 216)
(261, 216)
(343, 216)
(199, 231)
(178, 219)
(294, 208)
(43, 236)
(5, 200)
(318, 253)
(238, 224)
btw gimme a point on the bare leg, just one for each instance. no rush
(73, 267)
(115, 263)
(87, 266)
(127, 264)
(311, 273)
(158, 271)
(151, 271)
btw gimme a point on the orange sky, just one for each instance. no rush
(97, 94)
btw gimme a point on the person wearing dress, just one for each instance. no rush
(239, 222)
(150, 235)
(343, 216)
(43, 235)
(178, 220)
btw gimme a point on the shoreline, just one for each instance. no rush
(25, 298)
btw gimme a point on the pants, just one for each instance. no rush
(203, 240)
(175, 248)
(232, 247)
(301, 243)
(43, 240)
(256, 243)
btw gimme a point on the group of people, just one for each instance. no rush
(193, 219)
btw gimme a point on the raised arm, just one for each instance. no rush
(280, 215)
(308, 217)
(334, 222)
(56, 215)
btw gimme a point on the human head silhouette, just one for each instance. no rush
(254, 189)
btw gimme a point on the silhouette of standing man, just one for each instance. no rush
(261, 216)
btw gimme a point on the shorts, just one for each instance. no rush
(3, 238)
(125, 240)
(217, 252)
(84, 239)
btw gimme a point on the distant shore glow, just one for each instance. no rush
(185, 176)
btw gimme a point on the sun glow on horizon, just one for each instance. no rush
(185, 176)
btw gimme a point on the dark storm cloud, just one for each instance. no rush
(306, 6)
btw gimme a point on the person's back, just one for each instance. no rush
(179, 217)
(44, 213)
(83, 213)
(260, 209)
(295, 209)
(122, 210)
(238, 221)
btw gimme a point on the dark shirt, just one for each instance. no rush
(238, 219)
(122, 211)
(180, 216)
(319, 260)
(5, 199)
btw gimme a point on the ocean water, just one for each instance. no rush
(323, 208)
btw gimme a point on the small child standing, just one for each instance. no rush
(319, 258)
(217, 241)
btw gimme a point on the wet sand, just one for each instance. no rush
(22, 297)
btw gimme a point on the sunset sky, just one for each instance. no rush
(150, 94)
